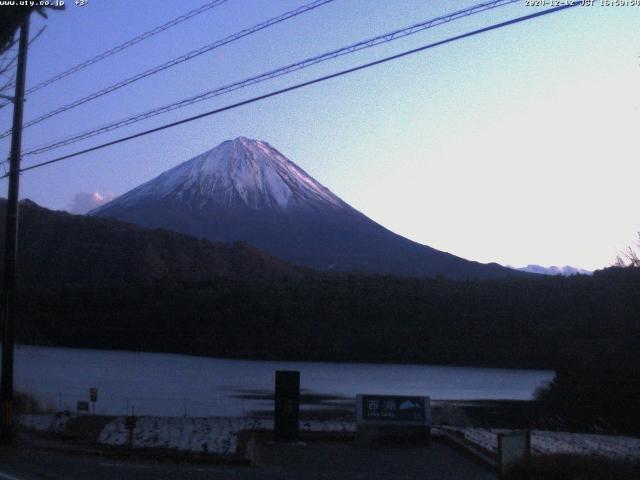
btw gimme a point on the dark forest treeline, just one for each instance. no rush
(533, 323)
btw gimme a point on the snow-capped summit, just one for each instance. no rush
(240, 172)
(246, 190)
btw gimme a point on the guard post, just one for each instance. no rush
(513, 447)
(287, 404)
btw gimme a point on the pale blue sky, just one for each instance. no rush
(518, 146)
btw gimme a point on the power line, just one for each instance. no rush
(303, 84)
(127, 44)
(369, 43)
(176, 61)
(5, 66)
(123, 46)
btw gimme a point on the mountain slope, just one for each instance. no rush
(59, 249)
(246, 190)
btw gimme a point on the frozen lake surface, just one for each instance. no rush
(172, 385)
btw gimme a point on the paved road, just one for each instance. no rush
(47, 466)
(347, 461)
(317, 461)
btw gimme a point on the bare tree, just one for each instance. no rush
(7, 74)
(630, 256)
(8, 58)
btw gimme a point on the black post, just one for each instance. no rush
(130, 424)
(11, 243)
(287, 398)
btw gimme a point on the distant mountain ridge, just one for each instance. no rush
(246, 190)
(565, 271)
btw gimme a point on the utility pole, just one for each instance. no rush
(11, 243)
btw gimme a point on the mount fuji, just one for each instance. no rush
(246, 190)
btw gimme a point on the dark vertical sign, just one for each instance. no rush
(287, 404)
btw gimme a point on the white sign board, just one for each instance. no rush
(393, 410)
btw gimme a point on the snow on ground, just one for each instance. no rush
(217, 435)
(212, 435)
(199, 434)
(546, 442)
(45, 422)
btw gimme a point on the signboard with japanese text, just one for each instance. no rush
(393, 409)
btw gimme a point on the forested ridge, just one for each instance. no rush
(534, 323)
